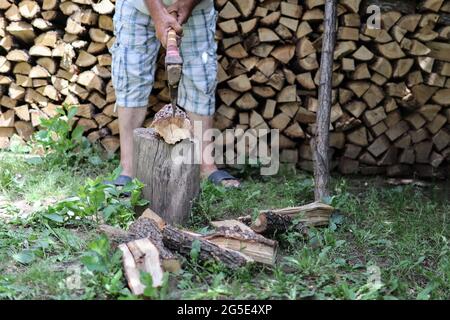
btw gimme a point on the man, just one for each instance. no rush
(140, 27)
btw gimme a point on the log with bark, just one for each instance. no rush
(235, 235)
(170, 174)
(220, 245)
(281, 220)
(183, 241)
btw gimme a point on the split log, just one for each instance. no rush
(172, 128)
(235, 235)
(141, 255)
(280, 220)
(183, 241)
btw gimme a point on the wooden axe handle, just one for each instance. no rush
(172, 44)
(173, 52)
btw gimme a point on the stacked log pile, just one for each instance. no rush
(391, 108)
(391, 85)
(53, 53)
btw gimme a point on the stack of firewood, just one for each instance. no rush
(154, 246)
(391, 92)
(391, 85)
(56, 52)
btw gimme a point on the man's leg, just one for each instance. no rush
(207, 165)
(134, 56)
(129, 119)
(198, 84)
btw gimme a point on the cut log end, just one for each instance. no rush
(172, 128)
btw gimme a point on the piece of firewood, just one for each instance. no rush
(239, 237)
(240, 83)
(246, 7)
(132, 273)
(409, 22)
(267, 35)
(228, 26)
(85, 59)
(229, 11)
(147, 227)
(18, 55)
(7, 119)
(283, 53)
(182, 242)
(402, 67)
(391, 50)
(103, 7)
(382, 66)
(91, 81)
(294, 131)
(313, 214)
(172, 128)
(152, 215)
(21, 30)
(439, 50)
(110, 143)
(442, 97)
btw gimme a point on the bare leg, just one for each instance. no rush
(207, 165)
(129, 119)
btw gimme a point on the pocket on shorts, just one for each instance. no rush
(117, 67)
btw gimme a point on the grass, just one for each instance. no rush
(386, 242)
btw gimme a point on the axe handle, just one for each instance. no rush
(172, 44)
(173, 52)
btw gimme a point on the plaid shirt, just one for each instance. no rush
(135, 51)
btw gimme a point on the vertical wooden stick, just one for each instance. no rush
(320, 143)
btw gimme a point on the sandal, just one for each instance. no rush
(120, 181)
(221, 175)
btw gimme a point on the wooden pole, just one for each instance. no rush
(321, 140)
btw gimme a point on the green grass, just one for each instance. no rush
(385, 243)
(24, 177)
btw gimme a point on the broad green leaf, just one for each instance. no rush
(54, 217)
(77, 133)
(34, 160)
(195, 249)
(100, 246)
(94, 263)
(109, 211)
(72, 112)
(25, 256)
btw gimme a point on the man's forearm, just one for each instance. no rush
(155, 7)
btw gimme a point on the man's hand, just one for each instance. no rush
(183, 8)
(163, 21)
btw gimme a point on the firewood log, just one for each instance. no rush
(280, 220)
(182, 242)
(235, 235)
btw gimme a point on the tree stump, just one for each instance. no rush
(169, 172)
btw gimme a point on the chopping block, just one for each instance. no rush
(170, 173)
